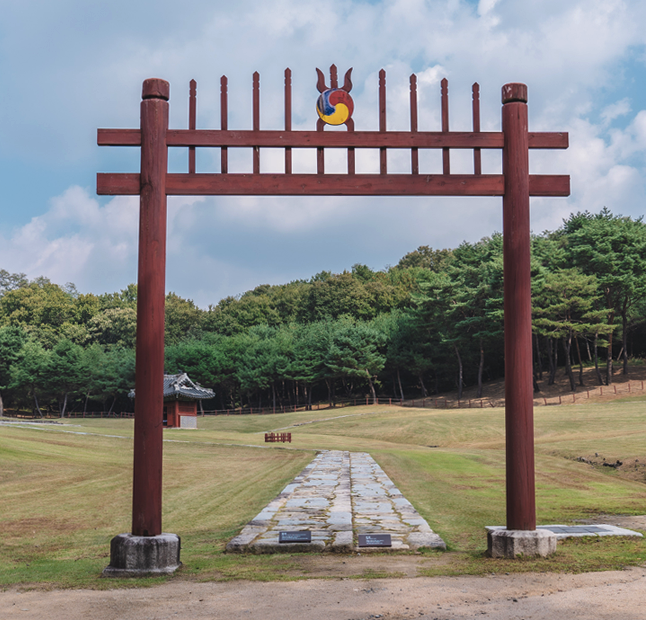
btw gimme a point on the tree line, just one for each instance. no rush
(431, 323)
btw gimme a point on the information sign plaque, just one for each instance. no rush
(375, 540)
(295, 537)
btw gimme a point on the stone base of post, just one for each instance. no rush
(504, 543)
(143, 556)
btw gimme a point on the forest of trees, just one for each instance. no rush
(431, 323)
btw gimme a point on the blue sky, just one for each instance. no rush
(70, 66)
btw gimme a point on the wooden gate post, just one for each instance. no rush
(519, 404)
(149, 384)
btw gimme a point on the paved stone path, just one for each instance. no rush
(337, 497)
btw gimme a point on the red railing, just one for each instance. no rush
(278, 437)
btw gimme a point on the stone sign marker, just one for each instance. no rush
(295, 537)
(375, 540)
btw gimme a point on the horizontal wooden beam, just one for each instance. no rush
(549, 140)
(118, 137)
(118, 184)
(332, 139)
(549, 184)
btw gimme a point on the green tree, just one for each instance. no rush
(265, 357)
(425, 257)
(125, 298)
(435, 304)
(12, 340)
(86, 306)
(613, 248)
(210, 361)
(92, 364)
(119, 374)
(29, 372)
(311, 350)
(183, 318)
(564, 309)
(356, 351)
(234, 316)
(114, 326)
(408, 350)
(40, 307)
(337, 296)
(477, 308)
(64, 372)
(11, 281)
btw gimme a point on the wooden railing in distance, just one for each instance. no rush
(278, 437)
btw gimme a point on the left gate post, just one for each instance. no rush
(147, 550)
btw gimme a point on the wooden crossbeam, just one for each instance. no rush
(128, 184)
(336, 139)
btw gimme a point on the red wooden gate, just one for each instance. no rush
(154, 183)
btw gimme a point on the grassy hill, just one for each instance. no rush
(66, 488)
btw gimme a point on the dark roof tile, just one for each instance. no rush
(181, 386)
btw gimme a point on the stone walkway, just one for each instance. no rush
(337, 497)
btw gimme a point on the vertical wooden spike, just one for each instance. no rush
(334, 77)
(446, 158)
(347, 82)
(256, 120)
(288, 117)
(477, 156)
(224, 122)
(320, 153)
(414, 154)
(351, 159)
(192, 114)
(383, 159)
(320, 84)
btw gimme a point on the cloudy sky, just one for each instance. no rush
(70, 66)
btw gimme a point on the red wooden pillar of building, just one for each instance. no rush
(149, 385)
(519, 404)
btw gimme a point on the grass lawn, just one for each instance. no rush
(65, 490)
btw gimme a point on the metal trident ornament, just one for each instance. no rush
(335, 106)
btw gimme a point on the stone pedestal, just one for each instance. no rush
(504, 543)
(142, 556)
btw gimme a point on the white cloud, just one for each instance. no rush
(639, 129)
(486, 6)
(574, 56)
(615, 110)
(77, 241)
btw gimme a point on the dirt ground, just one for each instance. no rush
(619, 595)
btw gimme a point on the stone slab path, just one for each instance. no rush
(338, 497)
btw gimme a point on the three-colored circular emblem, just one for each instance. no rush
(335, 106)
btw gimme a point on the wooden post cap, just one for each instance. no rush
(155, 88)
(514, 92)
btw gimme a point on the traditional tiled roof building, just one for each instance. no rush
(180, 400)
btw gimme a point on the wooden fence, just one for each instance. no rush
(583, 394)
(278, 437)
